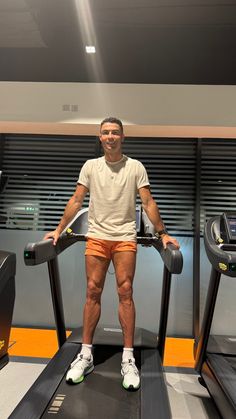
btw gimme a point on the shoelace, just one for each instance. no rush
(79, 358)
(130, 367)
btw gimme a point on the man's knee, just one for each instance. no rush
(125, 291)
(94, 292)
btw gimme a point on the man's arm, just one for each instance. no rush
(73, 206)
(153, 213)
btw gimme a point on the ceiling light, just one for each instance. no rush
(90, 49)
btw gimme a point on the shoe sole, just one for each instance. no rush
(80, 379)
(130, 387)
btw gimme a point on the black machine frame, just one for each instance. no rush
(7, 300)
(215, 358)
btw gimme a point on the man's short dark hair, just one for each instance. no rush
(112, 120)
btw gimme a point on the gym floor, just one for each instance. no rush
(31, 349)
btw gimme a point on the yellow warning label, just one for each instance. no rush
(223, 266)
(2, 343)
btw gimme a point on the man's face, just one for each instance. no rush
(111, 137)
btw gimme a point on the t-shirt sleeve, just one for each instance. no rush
(142, 177)
(84, 176)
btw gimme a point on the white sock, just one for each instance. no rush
(86, 350)
(128, 353)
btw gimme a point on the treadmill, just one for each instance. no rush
(215, 357)
(101, 394)
(7, 300)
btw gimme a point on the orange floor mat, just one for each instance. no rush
(179, 353)
(39, 343)
(42, 343)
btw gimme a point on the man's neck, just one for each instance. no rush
(113, 157)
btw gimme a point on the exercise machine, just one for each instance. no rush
(7, 299)
(216, 354)
(101, 394)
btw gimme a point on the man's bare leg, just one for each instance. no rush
(96, 269)
(124, 263)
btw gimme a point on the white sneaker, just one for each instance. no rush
(130, 373)
(80, 367)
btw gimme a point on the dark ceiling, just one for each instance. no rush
(137, 41)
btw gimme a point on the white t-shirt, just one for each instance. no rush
(113, 188)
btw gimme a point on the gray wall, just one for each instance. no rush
(135, 104)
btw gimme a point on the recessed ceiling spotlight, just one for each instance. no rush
(90, 49)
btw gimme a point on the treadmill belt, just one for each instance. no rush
(100, 394)
(224, 369)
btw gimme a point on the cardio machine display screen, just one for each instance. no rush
(230, 225)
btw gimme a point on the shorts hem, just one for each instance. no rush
(94, 253)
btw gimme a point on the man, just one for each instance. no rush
(113, 182)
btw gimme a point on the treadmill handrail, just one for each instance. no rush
(44, 250)
(171, 256)
(218, 251)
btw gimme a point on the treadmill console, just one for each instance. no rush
(229, 227)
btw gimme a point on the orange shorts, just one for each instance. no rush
(106, 248)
